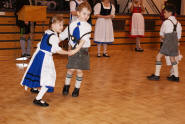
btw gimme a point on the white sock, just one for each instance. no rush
(171, 71)
(158, 68)
(43, 90)
(99, 48)
(105, 48)
(78, 82)
(175, 68)
(68, 79)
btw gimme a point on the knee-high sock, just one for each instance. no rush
(28, 51)
(22, 42)
(175, 68)
(43, 90)
(105, 48)
(78, 81)
(68, 79)
(99, 48)
(171, 71)
(158, 68)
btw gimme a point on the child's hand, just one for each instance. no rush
(71, 52)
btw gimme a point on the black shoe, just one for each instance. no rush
(34, 91)
(105, 55)
(75, 92)
(139, 50)
(40, 103)
(153, 77)
(66, 90)
(173, 78)
(28, 56)
(23, 57)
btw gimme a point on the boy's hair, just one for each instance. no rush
(56, 18)
(84, 5)
(171, 8)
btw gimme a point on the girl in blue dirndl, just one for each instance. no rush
(41, 69)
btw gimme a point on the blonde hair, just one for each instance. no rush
(84, 5)
(56, 18)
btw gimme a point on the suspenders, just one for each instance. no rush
(175, 26)
(71, 37)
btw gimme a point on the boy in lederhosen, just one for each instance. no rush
(170, 33)
(78, 34)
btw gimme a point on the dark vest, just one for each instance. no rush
(105, 11)
(45, 45)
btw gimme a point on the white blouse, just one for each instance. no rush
(97, 9)
(84, 28)
(54, 41)
(167, 27)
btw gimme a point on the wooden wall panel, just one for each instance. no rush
(9, 32)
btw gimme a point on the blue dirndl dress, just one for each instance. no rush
(33, 76)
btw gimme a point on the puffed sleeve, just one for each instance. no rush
(63, 35)
(97, 9)
(72, 6)
(54, 41)
(179, 30)
(113, 10)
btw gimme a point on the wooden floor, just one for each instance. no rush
(114, 91)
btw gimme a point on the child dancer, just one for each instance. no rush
(137, 23)
(103, 34)
(78, 30)
(73, 6)
(170, 32)
(41, 69)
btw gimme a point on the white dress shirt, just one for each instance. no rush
(84, 28)
(167, 27)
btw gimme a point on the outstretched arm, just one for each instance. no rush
(63, 35)
(62, 52)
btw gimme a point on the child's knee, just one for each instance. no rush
(79, 73)
(172, 59)
(158, 57)
(70, 71)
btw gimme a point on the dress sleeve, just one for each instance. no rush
(64, 34)
(54, 41)
(97, 9)
(72, 6)
(179, 30)
(162, 30)
(113, 10)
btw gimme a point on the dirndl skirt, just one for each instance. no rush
(170, 45)
(80, 60)
(33, 74)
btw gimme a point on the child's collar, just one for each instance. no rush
(80, 20)
(171, 17)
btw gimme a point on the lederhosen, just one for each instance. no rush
(170, 43)
(80, 60)
(105, 11)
